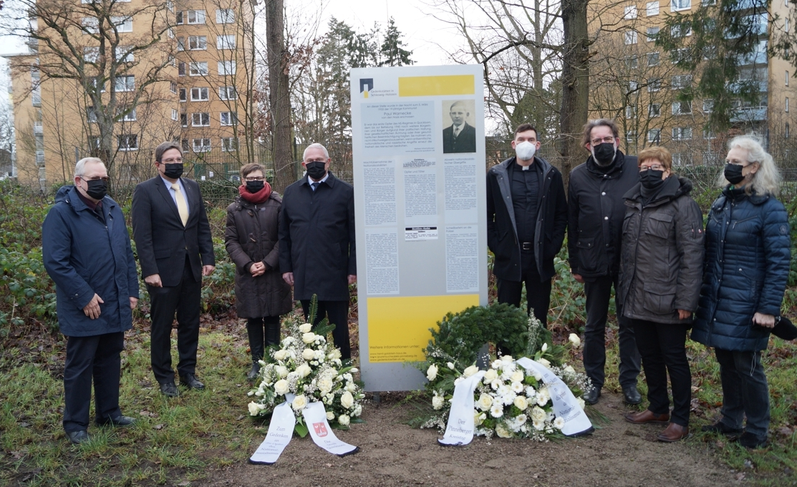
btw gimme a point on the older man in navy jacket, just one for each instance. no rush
(86, 251)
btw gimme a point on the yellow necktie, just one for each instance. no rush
(182, 207)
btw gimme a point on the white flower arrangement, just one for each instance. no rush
(310, 368)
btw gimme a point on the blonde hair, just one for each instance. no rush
(767, 179)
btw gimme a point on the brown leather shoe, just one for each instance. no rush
(647, 416)
(673, 432)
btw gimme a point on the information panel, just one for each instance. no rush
(419, 169)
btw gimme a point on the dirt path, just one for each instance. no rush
(393, 454)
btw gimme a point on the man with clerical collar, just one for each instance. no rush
(459, 137)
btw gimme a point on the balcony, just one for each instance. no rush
(749, 114)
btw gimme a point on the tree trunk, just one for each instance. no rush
(278, 96)
(575, 84)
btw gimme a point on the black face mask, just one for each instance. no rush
(254, 186)
(97, 188)
(650, 179)
(172, 171)
(733, 173)
(316, 169)
(604, 153)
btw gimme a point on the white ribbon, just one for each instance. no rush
(565, 405)
(459, 430)
(280, 431)
(315, 417)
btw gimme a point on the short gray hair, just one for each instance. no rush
(80, 167)
(767, 179)
(315, 145)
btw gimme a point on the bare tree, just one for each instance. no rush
(279, 94)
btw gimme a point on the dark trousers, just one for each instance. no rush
(183, 299)
(538, 292)
(598, 292)
(744, 391)
(95, 357)
(337, 312)
(663, 350)
(263, 332)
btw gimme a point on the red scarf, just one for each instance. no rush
(255, 198)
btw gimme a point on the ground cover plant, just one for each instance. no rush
(202, 436)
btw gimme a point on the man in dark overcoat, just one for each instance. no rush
(317, 242)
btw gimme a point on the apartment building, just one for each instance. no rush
(115, 79)
(638, 84)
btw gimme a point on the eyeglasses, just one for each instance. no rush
(606, 140)
(254, 178)
(655, 167)
(96, 178)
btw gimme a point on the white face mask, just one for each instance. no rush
(525, 150)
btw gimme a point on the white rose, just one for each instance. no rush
(431, 372)
(282, 371)
(299, 402)
(517, 376)
(280, 355)
(325, 385)
(559, 423)
(303, 370)
(334, 354)
(477, 418)
(502, 432)
(330, 416)
(544, 363)
(507, 358)
(544, 347)
(308, 337)
(570, 370)
(470, 371)
(281, 387)
(351, 386)
(305, 327)
(344, 419)
(437, 402)
(575, 340)
(485, 401)
(490, 376)
(521, 403)
(254, 408)
(347, 400)
(308, 354)
(450, 365)
(537, 414)
(497, 410)
(581, 403)
(358, 410)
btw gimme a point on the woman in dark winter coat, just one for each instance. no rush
(251, 238)
(661, 263)
(745, 275)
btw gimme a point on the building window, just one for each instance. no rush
(654, 136)
(178, 18)
(682, 159)
(226, 68)
(91, 115)
(123, 24)
(654, 110)
(708, 105)
(654, 84)
(200, 119)
(651, 33)
(175, 115)
(633, 85)
(681, 81)
(180, 44)
(184, 120)
(184, 144)
(91, 54)
(681, 30)
(125, 83)
(181, 69)
(630, 37)
(709, 134)
(173, 87)
(632, 62)
(229, 144)
(679, 55)
(196, 16)
(183, 94)
(199, 94)
(682, 108)
(787, 78)
(198, 68)
(630, 137)
(678, 5)
(94, 83)
(228, 93)
(630, 12)
(653, 8)
(786, 24)
(130, 116)
(201, 145)
(786, 105)
(708, 3)
(225, 16)
(225, 42)
(630, 111)
(90, 24)
(127, 142)
(786, 131)
(197, 43)
(653, 59)
(681, 133)
(228, 119)
(124, 54)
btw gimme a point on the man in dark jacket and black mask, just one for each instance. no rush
(526, 221)
(596, 210)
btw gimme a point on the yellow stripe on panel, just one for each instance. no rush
(398, 327)
(463, 84)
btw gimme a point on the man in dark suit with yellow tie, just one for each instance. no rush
(459, 137)
(175, 249)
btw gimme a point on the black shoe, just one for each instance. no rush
(77, 437)
(722, 428)
(169, 389)
(253, 372)
(591, 396)
(190, 381)
(631, 395)
(120, 421)
(749, 440)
